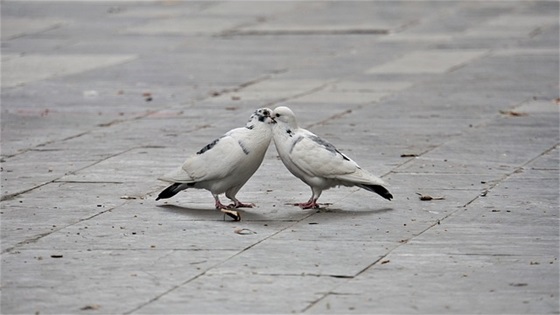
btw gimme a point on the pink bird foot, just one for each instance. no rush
(311, 204)
(239, 204)
(226, 210)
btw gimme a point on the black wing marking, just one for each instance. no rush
(327, 145)
(243, 147)
(208, 146)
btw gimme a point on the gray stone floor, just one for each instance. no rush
(449, 99)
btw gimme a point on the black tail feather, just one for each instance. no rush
(382, 191)
(170, 191)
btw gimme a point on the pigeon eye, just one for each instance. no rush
(277, 115)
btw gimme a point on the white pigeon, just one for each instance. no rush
(317, 162)
(226, 164)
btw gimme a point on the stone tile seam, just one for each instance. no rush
(466, 63)
(256, 20)
(451, 138)
(454, 138)
(436, 15)
(73, 172)
(380, 259)
(57, 180)
(216, 265)
(144, 115)
(25, 150)
(37, 237)
(516, 170)
(294, 96)
(148, 113)
(38, 32)
(438, 222)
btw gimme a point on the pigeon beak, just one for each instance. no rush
(272, 121)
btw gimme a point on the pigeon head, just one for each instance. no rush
(284, 115)
(261, 115)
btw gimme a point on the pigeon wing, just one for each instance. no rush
(318, 158)
(215, 161)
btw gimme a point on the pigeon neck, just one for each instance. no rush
(292, 124)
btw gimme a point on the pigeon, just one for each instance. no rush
(225, 164)
(316, 161)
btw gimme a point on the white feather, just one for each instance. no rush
(227, 163)
(313, 160)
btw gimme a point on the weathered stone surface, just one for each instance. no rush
(453, 100)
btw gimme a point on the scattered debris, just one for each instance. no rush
(484, 193)
(243, 231)
(91, 307)
(385, 261)
(312, 223)
(128, 197)
(512, 113)
(405, 155)
(232, 214)
(232, 108)
(114, 10)
(235, 98)
(147, 96)
(90, 94)
(57, 256)
(428, 197)
(108, 124)
(518, 284)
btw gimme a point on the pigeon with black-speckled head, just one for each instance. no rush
(317, 162)
(225, 164)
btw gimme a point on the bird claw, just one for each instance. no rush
(232, 214)
(238, 204)
(307, 205)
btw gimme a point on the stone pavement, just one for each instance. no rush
(448, 99)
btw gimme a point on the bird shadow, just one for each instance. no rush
(210, 213)
(326, 214)
(250, 214)
(349, 212)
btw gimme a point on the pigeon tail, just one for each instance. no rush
(382, 191)
(172, 190)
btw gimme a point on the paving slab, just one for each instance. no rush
(453, 100)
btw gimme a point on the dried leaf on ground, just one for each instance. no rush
(428, 197)
(243, 231)
(512, 113)
(128, 197)
(91, 307)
